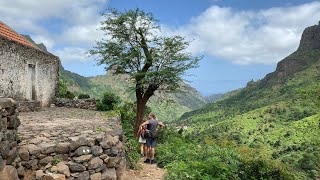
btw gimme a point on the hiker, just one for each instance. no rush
(151, 136)
(142, 141)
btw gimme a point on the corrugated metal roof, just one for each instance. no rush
(9, 33)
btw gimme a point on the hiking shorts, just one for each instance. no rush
(151, 142)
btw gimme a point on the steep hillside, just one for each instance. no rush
(167, 107)
(278, 115)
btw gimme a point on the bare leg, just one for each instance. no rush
(141, 148)
(152, 153)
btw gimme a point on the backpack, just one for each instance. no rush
(149, 134)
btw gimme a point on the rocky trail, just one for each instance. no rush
(147, 172)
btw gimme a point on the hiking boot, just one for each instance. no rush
(147, 161)
(152, 161)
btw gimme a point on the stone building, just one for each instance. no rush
(27, 73)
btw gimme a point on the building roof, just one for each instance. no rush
(9, 33)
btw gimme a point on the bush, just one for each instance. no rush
(108, 102)
(83, 96)
(63, 90)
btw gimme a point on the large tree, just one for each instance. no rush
(133, 45)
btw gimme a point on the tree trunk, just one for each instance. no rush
(139, 115)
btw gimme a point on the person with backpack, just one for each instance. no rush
(151, 136)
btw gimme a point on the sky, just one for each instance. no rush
(240, 40)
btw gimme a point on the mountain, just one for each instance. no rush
(213, 98)
(278, 116)
(167, 107)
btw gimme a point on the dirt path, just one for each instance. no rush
(148, 171)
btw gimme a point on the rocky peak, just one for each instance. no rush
(299, 60)
(310, 38)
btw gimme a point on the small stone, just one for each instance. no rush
(96, 150)
(63, 169)
(48, 166)
(54, 177)
(113, 161)
(84, 176)
(4, 149)
(47, 148)
(39, 174)
(2, 163)
(54, 169)
(109, 141)
(83, 158)
(96, 176)
(39, 140)
(12, 155)
(33, 149)
(95, 163)
(23, 154)
(46, 160)
(109, 174)
(83, 150)
(101, 168)
(63, 148)
(21, 171)
(75, 167)
(82, 141)
(9, 172)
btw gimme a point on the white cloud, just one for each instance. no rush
(248, 37)
(72, 54)
(66, 27)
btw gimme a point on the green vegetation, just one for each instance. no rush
(108, 102)
(83, 96)
(277, 118)
(63, 90)
(188, 159)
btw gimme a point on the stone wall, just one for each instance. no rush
(15, 62)
(9, 123)
(76, 103)
(26, 106)
(85, 157)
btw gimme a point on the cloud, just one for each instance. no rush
(66, 27)
(248, 37)
(72, 54)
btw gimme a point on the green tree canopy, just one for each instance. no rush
(133, 45)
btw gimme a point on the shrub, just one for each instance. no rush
(83, 96)
(108, 102)
(63, 90)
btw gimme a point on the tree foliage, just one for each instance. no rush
(134, 46)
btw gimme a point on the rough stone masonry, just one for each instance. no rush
(9, 123)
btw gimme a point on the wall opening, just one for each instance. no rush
(31, 89)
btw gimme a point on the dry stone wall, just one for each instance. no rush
(76, 103)
(69, 143)
(9, 123)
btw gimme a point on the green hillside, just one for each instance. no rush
(167, 107)
(277, 118)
